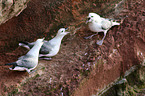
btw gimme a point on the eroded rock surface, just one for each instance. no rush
(11, 8)
(122, 48)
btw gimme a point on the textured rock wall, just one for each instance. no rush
(11, 8)
(43, 18)
(131, 84)
(123, 48)
(120, 51)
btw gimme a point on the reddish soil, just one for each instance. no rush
(78, 58)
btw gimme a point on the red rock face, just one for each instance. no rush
(30, 24)
(42, 18)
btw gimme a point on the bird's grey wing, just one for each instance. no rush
(20, 58)
(106, 24)
(24, 57)
(46, 48)
(27, 63)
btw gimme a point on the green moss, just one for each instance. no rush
(13, 92)
(129, 85)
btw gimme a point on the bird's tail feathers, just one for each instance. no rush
(13, 63)
(24, 44)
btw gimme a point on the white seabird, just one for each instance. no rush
(49, 48)
(99, 24)
(29, 61)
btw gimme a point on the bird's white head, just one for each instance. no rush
(62, 32)
(34, 51)
(93, 17)
(40, 41)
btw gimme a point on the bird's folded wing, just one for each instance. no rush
(46, 48)
(27, 63)
(106, 24)
(24, 57)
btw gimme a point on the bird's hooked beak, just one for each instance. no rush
(88, 19)
(66, 30)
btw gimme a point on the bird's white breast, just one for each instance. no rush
(95, 27)
(55, 50)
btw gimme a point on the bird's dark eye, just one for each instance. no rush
(89, 18)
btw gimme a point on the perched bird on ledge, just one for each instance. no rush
(49, 48)
(29, 61)
(99, 24)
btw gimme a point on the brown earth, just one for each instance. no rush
(78, 58)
